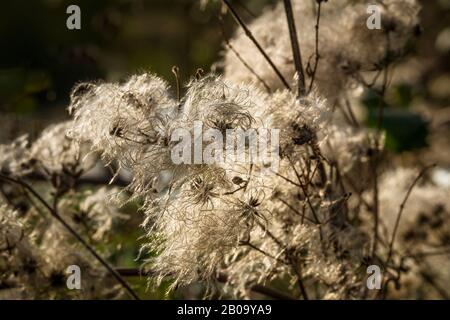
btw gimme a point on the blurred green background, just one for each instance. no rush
(40, 59)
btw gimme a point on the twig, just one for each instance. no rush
(249, 34)
(295, 47)
(176, 73)
(381, 101)
(350, 112)
(270, 234)
(374, 160)
(299, 277)
(444, 251)
(431, 281)
(302, 287)
(288, 180)
(246, 9)
(427, 277)
(383, 292)
(305, 192)
(375, 204)
(240, 58)
(383, 87)
(265, 253)
(402, 206)
(73, 232)
(308, 200)
(317, 55)
(295, 210)
(358, 192)
(104, 179)
(338, 105)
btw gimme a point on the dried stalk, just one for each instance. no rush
(72, 231)
(402, 207)
(295, 48)
(249, 34)
(240, 58)
(317, 55)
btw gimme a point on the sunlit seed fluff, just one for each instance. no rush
(209, 218)
(56, 153)
(351, 149)
(35, 253)
(122, 120)
(346, 46)
(97, 211)
(13, 157)
(10, 228)
(423, 228)
(301, 121)
(425, 200)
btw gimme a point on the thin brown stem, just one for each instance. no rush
(252, 246)
(176, 73)
(384, 86)
(299, 275)
(295, 47)
(270, 234)
(402, 207)
(249, 34)
(305, 192)
(288, 180)
(295, 210)
(444, 251)
(240, 58)
(375, 200)
(72, 231)
(246, 9)
(435, 285)
(351, 113)
(381, 101)
(375, 159)
(317, 55)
